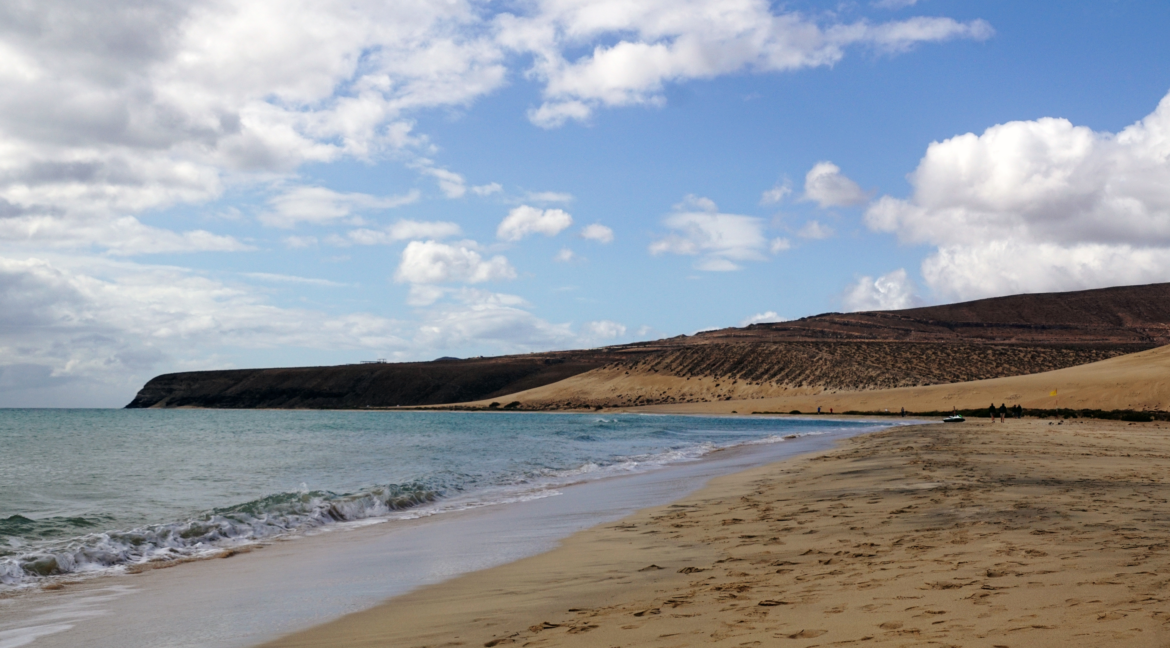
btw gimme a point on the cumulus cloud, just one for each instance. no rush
(891, 291)
(525, 220)
(638, 49)
(722, 240)
(828, 187)
(479, 316)
(763, 318)
(92, 331)
(566, 255)
(431, 262)
(1039, 205)
(113, 109)
(597, 232)
(319, 206)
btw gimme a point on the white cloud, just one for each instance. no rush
(524, 220)
(124, 236)
(429, 262)
(602, 330)
(1039, 205)
(450, 183)
(554, 115)
(486, 317)
(815, 230)
(891, 291)
(114, 109)
(639, 48)
(762, 318)
(717, 264)
(91, 331)
(549, 197)
(487, 189)
(403, 230)
(779, 245)
(826, 185)
(425, 294)
(721, 239)
(776, 194)
(597, 232)
(319, 206)
(566, 255)
(293, 279)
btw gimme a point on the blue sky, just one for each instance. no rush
(211, 185)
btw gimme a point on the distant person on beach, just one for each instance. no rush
(903, 412)
(1018, 410)
(992, 410)
(818, 410)
(1002, 412)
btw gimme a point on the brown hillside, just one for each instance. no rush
(1138, 381)
(975, 340)
(719, 372)
(1129, 315)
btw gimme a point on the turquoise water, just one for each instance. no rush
(84, 491)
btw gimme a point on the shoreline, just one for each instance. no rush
(1031, 533)
(289, 585)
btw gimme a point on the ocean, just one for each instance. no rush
(84, 491)
(89, 493)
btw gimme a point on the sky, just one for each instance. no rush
(211, 184)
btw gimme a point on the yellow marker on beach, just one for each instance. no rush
(1053, 393)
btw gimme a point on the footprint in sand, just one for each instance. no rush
(807, 634)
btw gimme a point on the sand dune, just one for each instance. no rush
(1136, 381)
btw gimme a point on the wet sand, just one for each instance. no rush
(1019, 534)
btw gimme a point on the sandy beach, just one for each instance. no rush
(1029, 533)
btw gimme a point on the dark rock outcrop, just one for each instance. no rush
(363, 385)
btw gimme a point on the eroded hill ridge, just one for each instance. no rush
(990, 338)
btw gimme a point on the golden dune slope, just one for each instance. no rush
(1136, 381)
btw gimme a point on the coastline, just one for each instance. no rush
(283, 586)
(1025, 533)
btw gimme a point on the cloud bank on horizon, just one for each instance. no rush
(208, 184)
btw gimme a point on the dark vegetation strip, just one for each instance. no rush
(1133, 416)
